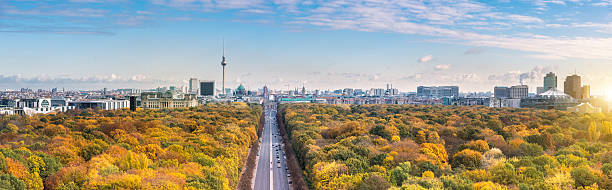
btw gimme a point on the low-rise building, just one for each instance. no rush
(100, 104)
(584, 108)
(551, 99)
(168, 99)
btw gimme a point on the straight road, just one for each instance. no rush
(272, 171)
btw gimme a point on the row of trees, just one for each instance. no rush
(189, 148)
(447, 147)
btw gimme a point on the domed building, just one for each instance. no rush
(240, 91)
(551, 99)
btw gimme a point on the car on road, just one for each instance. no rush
(288, 175)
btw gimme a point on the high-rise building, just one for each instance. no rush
(572, 86)
(550, 81)
(193, 85)
(438, 91)
(501, 92)
(266, 92)
(207, 88)
(585, 92)
(519, 92)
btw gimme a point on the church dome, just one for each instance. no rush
(240, 88)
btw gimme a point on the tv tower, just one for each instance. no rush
(223, 63)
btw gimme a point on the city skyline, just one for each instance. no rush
(145, 44)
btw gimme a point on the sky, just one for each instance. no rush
(322, 44)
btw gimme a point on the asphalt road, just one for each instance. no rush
(271, 163)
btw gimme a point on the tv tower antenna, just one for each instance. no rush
(223, 64)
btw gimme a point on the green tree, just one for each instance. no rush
(607, 168)
(530, 149)
(583, 177)
(90, 151)
(504, 173)
(10, 182)
(400, 173)
(356, 166)
(373, 182)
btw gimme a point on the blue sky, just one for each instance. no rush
(326, 44)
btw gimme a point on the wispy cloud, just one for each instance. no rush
(47, 79)
(442, 67)
(474, 51)
(425, 59)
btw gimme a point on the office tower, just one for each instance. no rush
(585, 92)
(207, 88)
(133, 103)
(550, 81)
(572, 86)
(193, 85)
(519, 92)
(501, 92)
(223, 64)
(438, 91)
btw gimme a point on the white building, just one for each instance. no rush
(100, 104)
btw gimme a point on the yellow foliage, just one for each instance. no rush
(133, 161)
(477, 175)
(325, 172)
(33, 181)
(395, 138)
(487, 185)
(427, 174)
(436, 153)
